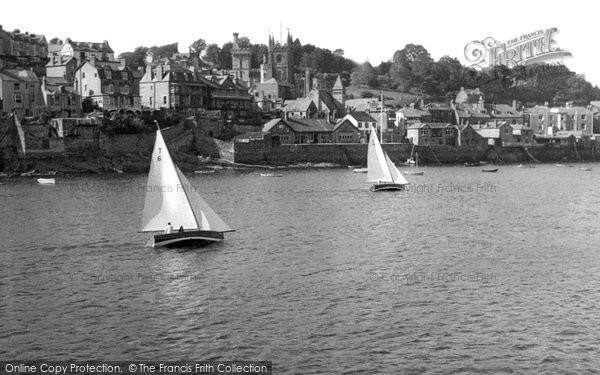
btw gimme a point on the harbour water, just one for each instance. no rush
(465, 272)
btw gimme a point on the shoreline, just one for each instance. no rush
(87, 169)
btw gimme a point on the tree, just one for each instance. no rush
(411, 67)
(88, 105)
(364, 75)
(197, 47)
(447, 75)
(168, 50)
(212, 54)
(225, 56)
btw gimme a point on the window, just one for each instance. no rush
(124, 76)
(583, 117)
(583, 126)
(506, 131)
(165, 99)
(108, 73)
(424, 132)
(150, 100)
(85, 88)
(83, 75)
(125, 90)
(111, 89)
(17, 86)
(95, 75)
(280, 127)
(18, 98)
(540, 117)
(449, 131)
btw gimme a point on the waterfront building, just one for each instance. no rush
(496, 134)
(20, 91)
(363, 121)
(549, 120)
(295, 130)
(467, 136)
(522, 135)
(432, 133)
(168, 85)
(110, 85)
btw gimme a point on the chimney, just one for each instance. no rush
(514, 104)
(93, 60)
(0, 27)
(306, 82)
(159, 72)
(235, 38)
(17, 31)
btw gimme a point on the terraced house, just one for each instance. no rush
(20, 92)
(109, 84)
(168, 85)
(19, 49)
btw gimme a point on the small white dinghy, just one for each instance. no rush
(46, 181)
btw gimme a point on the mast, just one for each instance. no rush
(381, 118)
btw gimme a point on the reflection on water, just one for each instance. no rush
(465, 271)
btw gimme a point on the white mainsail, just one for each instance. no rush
(377, 170)
(171, 198)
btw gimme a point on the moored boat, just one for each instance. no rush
(490, 170)
(46, 181)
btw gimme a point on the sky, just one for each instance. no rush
(366, 31)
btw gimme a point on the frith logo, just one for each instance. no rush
(536, 47)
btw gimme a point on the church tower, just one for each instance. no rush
(280, 63)
(240, 60)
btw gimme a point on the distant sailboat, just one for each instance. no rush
(381, 170)
(415, 172)
(170, 198)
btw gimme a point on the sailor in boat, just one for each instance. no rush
(180, 229)
(169, 229)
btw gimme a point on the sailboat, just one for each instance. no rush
(410, 160)
(381, 170)
(172, 201)
(415, 172)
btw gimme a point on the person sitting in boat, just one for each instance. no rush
(169, 228)
(181, 229)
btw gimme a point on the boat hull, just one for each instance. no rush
(197, 238)
(387, 187)
(490, 170)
